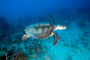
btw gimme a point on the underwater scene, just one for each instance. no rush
(44, 30)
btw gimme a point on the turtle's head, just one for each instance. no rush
(60, 27)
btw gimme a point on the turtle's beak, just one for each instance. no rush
(62, 27)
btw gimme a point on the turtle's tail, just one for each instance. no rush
(25, 37)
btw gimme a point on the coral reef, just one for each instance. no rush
(4, 27)
(1, 32)
(74, 41)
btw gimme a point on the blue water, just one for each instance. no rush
(74, 42)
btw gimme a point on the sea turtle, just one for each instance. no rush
(43, 30)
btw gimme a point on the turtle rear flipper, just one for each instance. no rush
(25, 37)
(56, 39)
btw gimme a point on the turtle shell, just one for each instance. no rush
(40, 31)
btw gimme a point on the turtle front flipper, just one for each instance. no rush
(56, 39)
(51, 18)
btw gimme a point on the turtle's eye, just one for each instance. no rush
(64, 27)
